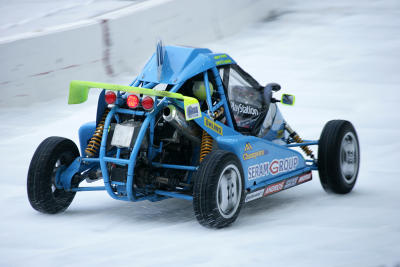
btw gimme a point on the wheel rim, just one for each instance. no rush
(349, 157)
(60, 163)
(229, 191)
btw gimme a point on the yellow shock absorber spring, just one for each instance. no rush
(94, 143)
(298, 140)
(306, 149)
(206, 145)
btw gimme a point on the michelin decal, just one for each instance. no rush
(254, 195)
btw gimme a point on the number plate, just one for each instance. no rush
(122, 136)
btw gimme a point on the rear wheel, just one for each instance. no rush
(53, 154)
(218, 190)
(338, 157)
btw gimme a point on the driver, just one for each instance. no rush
(199, 90)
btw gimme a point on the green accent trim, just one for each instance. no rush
(294, 98)
(226, 61)
(79, 91)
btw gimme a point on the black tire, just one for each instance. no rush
(51, 154)
(338, 157)
(210, 207)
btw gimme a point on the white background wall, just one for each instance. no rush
(38, 66)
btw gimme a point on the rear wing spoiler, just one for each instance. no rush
(79, 91)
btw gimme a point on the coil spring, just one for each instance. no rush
(206, 145)
(306, 149)
(219, 112)
(94, 143)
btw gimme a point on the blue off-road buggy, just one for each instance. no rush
(193, 125)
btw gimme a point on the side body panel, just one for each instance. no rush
(85, 132)
(261, 159)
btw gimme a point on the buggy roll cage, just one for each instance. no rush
(125, 191)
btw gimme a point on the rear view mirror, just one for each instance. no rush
(273, 87)
(288, 99)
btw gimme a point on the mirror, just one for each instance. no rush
(273, 87)
(288, 99)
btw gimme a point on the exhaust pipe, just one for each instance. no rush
(176, 118)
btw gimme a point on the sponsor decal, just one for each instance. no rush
(193, 111)
(276, 187)
(273, 188)
(304, 178)
(257, 170)
(279, 134)
(272, 168)
(244, 109)
(220, 56)
(254, 195)
(254, 155)
(213, 126)
(222, 59)
(248, 147)
(291, 182)
(220, 62)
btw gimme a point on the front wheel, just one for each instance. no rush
(338, 157)
(53, 154)
(218, 191)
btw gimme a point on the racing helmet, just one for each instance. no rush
(199, 89)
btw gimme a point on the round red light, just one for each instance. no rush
(132, 101)
(147, 102)
(110, 97)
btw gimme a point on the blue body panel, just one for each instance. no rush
(86, 132)
(182, 63)
(261, 159)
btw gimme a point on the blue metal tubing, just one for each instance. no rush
(218, 105)
(172, 166)
(150, 156)
(311, 143)
(132, 159)
(132, 112)
(135, 151)
(91, 188)
(149, 85)
(314, 167)
(173, 90)
(209, 102)
(102, 155)
(135, 82)
(90, 159)
(138, 143)
(223, 97)
(174, 195)
(118, 183)
(118, 161)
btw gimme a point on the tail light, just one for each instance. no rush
(132, 101)
(110, 97)
(147, 102)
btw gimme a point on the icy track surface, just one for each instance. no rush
(341, 61)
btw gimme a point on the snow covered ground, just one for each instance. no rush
(22, 16)
(341, 60)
